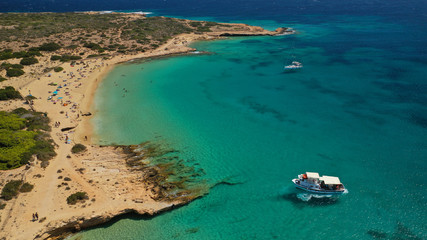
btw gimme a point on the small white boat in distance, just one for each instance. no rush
(294, 66)
(312, 182)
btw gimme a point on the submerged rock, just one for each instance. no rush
(171, 178)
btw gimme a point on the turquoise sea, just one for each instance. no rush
(357, 110)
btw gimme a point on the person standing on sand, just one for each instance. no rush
(34, 217)
(37, 216)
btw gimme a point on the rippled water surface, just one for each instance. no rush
(356, 110)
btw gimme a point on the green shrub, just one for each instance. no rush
(10, 190)
(204, 29)
(2, 79)
(97, 55)
(195, 24)
(34, 53)
(14, 72)
(20, 111)
(72, 46)
(2, 206)
(75, 197)
(11, 122)
(58, 69)
(44, 148)
(9, 93)
(91, 45)
(6, 55)
(17, 66)
(29, 61)
(26, 187)
(20, 54)
(17, 146)
(210, 24)
(34, 120)
(7, 65)
(78, 148)
(75, 57)
(50, 47)
(30, 97)
(67, 58)
(55, 58)
(44, 164)
(24, 54)
(37, 121)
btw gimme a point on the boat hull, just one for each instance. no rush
(311, 190)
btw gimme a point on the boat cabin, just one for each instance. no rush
(311, 177)
(329, 182)
(312, 182)
(325, 182)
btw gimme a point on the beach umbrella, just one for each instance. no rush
(56, 92)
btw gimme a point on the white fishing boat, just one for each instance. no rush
(312, 182)
(294, 66)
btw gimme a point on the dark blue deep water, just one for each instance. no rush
(358, 110)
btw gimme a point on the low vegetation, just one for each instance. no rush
(75, 197)
(9, 93)
(78, 148)
(98, 55)
(11, 189)
(6, 65)
(26, 187)
(50, 47)
(58, 69)
(93, 46)
(65, 58)
(203, 26)
(14, 72)
(55, 57)
(29, 61)
(9, 54)
(2, 79)
(98, 33)
(24, 134)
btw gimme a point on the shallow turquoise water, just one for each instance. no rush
(357, 110)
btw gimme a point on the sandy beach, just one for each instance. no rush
(100, 171)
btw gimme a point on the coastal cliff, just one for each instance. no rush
(115, 180)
